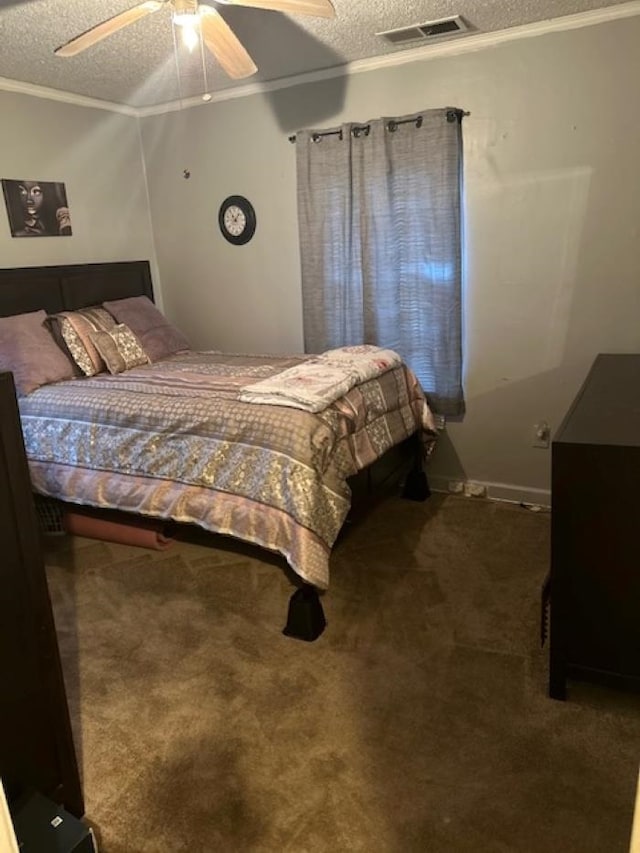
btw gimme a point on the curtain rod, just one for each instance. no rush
(392, 126)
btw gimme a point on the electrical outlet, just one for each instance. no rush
(541, 434)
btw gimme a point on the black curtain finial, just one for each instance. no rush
(456, 115)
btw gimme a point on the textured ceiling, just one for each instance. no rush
(137, 65)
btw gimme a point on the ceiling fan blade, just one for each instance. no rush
(224, 44)
(107, 28)
(317, 8)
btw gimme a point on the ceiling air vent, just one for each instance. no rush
(429, 30)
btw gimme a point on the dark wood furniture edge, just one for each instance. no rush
(595, 464)
(555, 587)
(24, 289)
(69, 790)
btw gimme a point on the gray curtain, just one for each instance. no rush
(379, 208)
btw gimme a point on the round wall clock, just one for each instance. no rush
(237, 219)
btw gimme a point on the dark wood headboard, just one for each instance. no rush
(67, 288)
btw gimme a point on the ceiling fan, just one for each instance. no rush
(193, 16)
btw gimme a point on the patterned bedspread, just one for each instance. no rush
(173, 440)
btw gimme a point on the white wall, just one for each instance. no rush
(552, 224)
(226, 297)
(97, 154)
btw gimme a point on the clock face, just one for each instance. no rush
(234, 220)
(237, 219)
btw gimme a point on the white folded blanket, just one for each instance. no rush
(315, 384)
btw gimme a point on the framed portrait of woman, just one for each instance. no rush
(37, 208)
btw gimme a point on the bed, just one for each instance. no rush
(176, 439)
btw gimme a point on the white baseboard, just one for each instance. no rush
(495, 491)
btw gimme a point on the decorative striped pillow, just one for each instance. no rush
(76, 328)
(120, 348)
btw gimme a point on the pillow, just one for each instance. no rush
(76, 327)
(119, 348)
(156, 334)
(28, 349)
(54, 327)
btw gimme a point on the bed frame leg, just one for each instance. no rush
(306, 617)
(416, 485)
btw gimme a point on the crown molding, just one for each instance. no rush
(472, 42)
(48, 94)
(469, 43)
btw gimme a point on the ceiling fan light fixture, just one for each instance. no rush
(190, 35)
(189, 22)
(199, 23)
(185, 19)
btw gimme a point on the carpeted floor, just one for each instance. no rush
(419, 721)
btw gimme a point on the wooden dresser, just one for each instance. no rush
(595, 531)
(36, 746)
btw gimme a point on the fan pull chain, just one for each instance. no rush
(207, 94)
(175, 56)
(186, 173)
